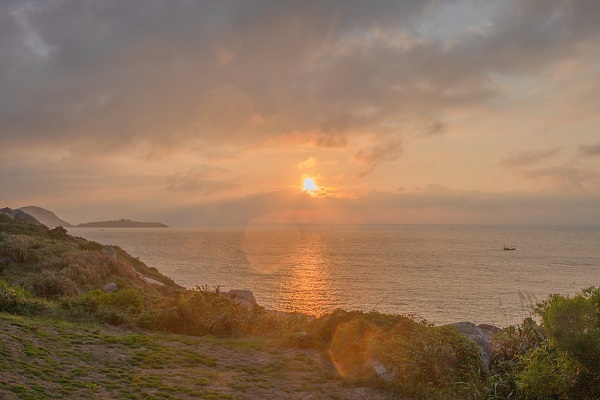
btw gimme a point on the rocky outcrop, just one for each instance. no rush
(245, 298)
(152, 281)
(481, 337)
(18, 214)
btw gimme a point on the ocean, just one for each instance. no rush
(441, 273)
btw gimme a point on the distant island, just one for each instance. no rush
(50, 219)
(122, 223)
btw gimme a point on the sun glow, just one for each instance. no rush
(309, 186)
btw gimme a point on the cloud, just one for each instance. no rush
(434, 204)
(235, 76)
(308, 163)
(589, 150)
(306, 139)
(564, 178)
(248, 82)
(200, 181)
(388, 150)
(437, 127)
(516, 159)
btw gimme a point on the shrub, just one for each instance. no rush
(53, 284)
(548, 375)
(573, 327)
(515, 341)
(58, 232)
(89, 306)
(127, 300)
(200, 312)
(412, 353)
(16, 247)
(16, 300)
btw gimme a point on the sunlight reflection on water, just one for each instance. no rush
(441, 273)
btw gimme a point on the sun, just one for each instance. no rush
(309, 186)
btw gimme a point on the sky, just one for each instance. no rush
(215, 112)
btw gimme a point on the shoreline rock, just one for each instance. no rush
(480, 335)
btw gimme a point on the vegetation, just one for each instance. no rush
(54, 313)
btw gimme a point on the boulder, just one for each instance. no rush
(109, 287)
(109, 250)
(246, 295)
(491, 328)
(481, 337)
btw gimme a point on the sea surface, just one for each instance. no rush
(442, 273)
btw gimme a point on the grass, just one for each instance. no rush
(46, 358)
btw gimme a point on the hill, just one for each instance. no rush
(18, 215)
(122, 223)
(46, 217)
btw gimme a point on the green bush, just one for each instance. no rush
(548, 375)
(128, 300)
(16, 300)
(414, 354)
(90, 307)
(573, 326)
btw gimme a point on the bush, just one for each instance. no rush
(515, 341)
(200, 312)
(573, 327)
(16, 300)
(89, 306)
(127, 300)
(411, 354)
(548, 375)
(16, 247)
(52, 285)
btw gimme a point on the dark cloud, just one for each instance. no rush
(437, 127)
(516, 159)
(238, 72)
(589, 150)
(388, 150)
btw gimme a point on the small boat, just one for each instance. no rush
(509, 248)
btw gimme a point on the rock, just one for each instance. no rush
(109, 250)
(109, 287)
(481, 337)
(242, 294)
(153, 281)
(490, 328)
(382, 372)
(244, 303)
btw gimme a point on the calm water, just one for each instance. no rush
(439, 272)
